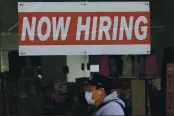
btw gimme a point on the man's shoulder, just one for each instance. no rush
(113, 108)
(112, 104)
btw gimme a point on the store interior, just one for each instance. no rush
(59, 87)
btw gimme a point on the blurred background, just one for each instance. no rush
(61, 80)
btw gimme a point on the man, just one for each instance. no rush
(102, 94)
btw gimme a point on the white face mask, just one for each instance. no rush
(88, 97)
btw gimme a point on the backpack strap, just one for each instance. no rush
(120, 105)
(114, 100)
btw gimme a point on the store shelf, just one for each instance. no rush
(149, 77)
(126, 77)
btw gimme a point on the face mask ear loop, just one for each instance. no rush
(99, 95)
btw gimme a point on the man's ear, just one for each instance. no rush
(101, 92)
(100, 95)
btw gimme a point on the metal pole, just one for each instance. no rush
(1, 105)
(1, 92)
(1, 6)
(87, 61)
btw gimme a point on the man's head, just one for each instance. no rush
(98, 88)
